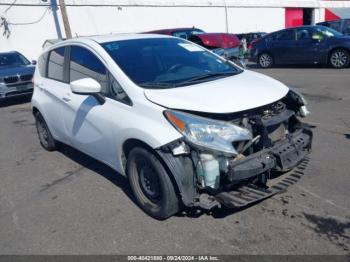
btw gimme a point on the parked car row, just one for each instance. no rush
(223, 44)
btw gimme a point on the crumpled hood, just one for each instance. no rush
(236, 93)
(21, 70)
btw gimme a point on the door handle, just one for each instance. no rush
(40, 86)
(66, 99)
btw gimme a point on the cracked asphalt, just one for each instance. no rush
(64, 202)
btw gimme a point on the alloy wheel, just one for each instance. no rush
(339, 58)
(265, 60)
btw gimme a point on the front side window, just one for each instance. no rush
(84, 64)
(166, 62)
(285, 35)
(13, 60)
(55, 64)
(327, 32)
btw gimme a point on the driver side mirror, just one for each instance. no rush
(33, 62)
(88, 86)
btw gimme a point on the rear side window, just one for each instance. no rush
(55, 65)
(42, 61)
(285, 35)
(84, 64)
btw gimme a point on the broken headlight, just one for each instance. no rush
(300, 99)
(207, 133)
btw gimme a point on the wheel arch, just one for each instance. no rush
(179, 168)
(336, 48)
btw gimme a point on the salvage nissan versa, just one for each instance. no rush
(187, 127)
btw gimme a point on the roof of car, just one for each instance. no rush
(119, 37)
(171, 30)
(8, 52)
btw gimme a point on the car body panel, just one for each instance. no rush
(240, 92)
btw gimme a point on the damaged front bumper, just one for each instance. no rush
(283, 156)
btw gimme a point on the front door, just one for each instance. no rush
(307, 50)
(87, 122)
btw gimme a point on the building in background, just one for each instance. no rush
(27, 24)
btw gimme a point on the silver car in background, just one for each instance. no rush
(16, 74)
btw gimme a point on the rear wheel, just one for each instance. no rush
(339, 58)
(151, 184)
(265, 60)
(45, 137)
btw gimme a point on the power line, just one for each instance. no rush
(10, 6)
(33, 22)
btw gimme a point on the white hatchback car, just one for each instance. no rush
(186, 127)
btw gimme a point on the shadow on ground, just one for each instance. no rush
(15, 101)
(97, 167)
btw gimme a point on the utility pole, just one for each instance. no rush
(65, 19)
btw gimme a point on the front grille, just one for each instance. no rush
(26, 77)
(11, 79)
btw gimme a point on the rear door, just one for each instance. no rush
(282, 47)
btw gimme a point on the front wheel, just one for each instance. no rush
(151, 184)
(265, 60)
(339, 58)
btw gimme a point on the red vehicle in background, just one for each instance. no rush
(223, 44)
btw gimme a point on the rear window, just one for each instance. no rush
(55, 64)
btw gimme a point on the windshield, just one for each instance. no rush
(167, 62)
(328, 32)
(13, 60)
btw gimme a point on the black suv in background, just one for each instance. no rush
(16, 74)
(341, 25)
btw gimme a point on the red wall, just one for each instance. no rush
(329, 15)
(294, 17)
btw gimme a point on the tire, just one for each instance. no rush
(151, 184)
(339, 58)
(45, 137)
(265, 60)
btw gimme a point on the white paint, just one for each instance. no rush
(225, 95)
(101, 130)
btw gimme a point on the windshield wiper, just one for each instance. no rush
(206, 76)
(157, 85)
